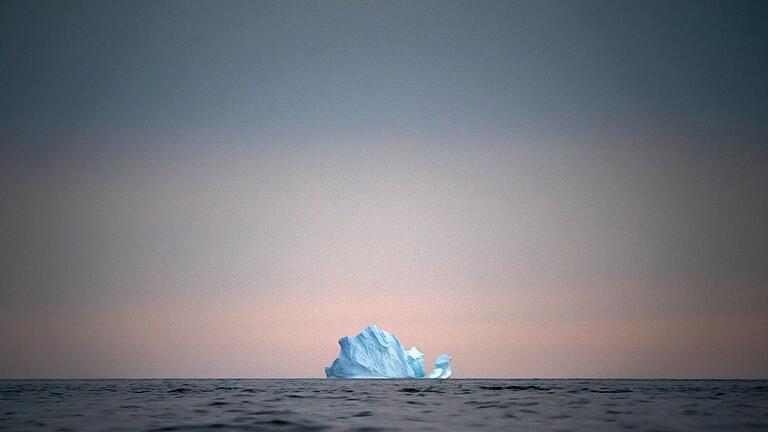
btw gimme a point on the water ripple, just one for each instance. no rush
(309, 405)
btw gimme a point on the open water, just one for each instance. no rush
(456, 404)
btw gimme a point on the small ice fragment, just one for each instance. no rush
(442, 367)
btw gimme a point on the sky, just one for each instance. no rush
(540, 189)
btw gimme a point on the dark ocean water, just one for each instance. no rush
(255, 405)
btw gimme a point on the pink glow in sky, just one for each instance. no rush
(539, 189)
(518, 263)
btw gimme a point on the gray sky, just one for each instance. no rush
(226, 188)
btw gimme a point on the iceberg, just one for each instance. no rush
(415, 360)
(442, 367)
(375, 353)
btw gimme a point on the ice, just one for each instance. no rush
(415, 361)
(442, 367)
(375, 353)
(372, 353)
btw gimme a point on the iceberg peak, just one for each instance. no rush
(376, 353)
(415, 361)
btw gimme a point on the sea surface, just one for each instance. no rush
(368, 405)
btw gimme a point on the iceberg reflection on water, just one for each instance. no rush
(375, 353)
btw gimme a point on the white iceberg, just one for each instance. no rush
(375, 353)
(442, 367)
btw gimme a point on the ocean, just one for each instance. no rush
(373, 405)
